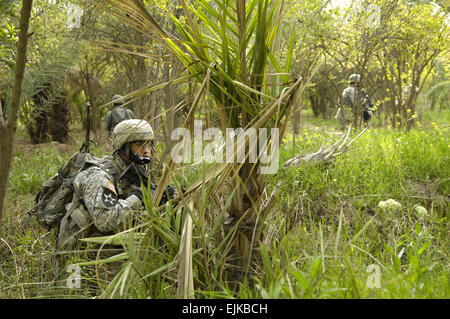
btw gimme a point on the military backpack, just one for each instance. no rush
(57, 192)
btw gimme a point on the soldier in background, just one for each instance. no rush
(117, 114)
(345, 114)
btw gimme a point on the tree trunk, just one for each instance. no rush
(314, 99)
(247, 198)
(38, 128)
(8, 129)
(59, 124)
(93, 87)
(411, 104)
(296, 121)
(141, 105)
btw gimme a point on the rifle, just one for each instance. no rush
(369, 102)
(87, 141)
(368, 111)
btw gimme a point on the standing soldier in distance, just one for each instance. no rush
(345, 114)
(117, 114)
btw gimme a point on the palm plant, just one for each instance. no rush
(230, 48)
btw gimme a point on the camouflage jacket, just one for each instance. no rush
(116, 116)
(348, 97)
(101, 205)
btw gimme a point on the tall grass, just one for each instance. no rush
(326, 236)
(331, 229)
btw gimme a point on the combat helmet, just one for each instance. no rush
(129, 131)
(115, 98)
(354, 78)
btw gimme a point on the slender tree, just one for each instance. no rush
(8, 127)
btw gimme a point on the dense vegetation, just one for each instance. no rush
(371, 223)
(325, 231)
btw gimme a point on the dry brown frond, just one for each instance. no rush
(325, 155)
(185, 270)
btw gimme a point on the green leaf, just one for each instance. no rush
(425, 246)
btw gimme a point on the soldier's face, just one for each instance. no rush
(142, 148)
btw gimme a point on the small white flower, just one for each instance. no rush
(420, 211)
(389, 205)
(382, 205)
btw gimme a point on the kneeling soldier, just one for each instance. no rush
(107, 195)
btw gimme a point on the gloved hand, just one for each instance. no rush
(138, 192)
(168, 193)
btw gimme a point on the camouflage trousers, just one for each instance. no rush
(72, 250)
(344, 117)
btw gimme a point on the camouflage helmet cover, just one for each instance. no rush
(354, 78)
(131, 131)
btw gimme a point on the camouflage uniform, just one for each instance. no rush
(101, 205)
(345, 114)
(118, 114)
(108, 192)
